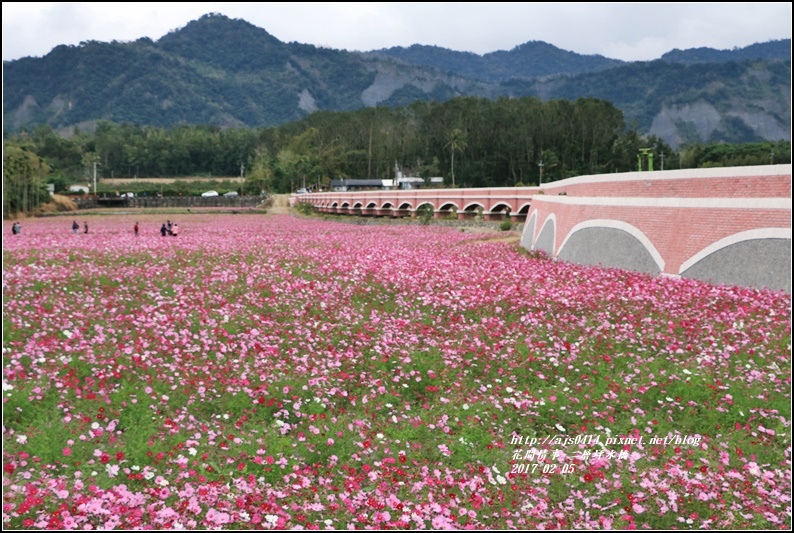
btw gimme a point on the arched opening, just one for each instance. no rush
(611, 243)
(499, 211)
(447, 210)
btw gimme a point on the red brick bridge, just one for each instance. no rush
(724, 225)
(462, 204)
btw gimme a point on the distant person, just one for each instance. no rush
(85, 227)
(169, 227)
(75, 227)
(175, 229)
(163, 230)
(135, 228)
(16, 229)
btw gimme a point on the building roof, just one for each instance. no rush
(357, 183)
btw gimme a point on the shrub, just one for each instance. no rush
(304, 208)
(57, 203)
(425, 213)
(506, 225)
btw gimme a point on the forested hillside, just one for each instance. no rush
(470, 142)
(230, 74)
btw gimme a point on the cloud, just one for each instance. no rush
(641, 31)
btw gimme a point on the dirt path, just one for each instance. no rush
(280, 205)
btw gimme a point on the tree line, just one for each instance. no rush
(471, 142)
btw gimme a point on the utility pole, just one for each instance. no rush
(661, 155)
(95, 164)
(540, 166)
(772, 157)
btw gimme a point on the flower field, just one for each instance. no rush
(264, 372)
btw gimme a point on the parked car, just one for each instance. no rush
(302, 191)
(231, 193)
(209, 193)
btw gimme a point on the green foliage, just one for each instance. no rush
(506, 225)
(425, 213)
(304, 208)
(729, 155)
(483, 143)
(24, 181)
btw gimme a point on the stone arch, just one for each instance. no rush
(474, 206)
(759, 258)
(547, 236)
(611, 243)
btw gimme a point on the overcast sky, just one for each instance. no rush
(631, 32)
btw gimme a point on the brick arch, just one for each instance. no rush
(406, 205)
(388, 204)
(503, 205)
(473, 206)
(617, 244)
(445, 204)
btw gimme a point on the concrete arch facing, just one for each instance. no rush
(547, 236)
(611, 243)
(759, 258)
(528, 235)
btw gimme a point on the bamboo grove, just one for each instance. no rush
(472, 142)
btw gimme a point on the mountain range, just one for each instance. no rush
(230, 73)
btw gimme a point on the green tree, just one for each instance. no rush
(23, 180)
(259, 174)
(456, 142)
